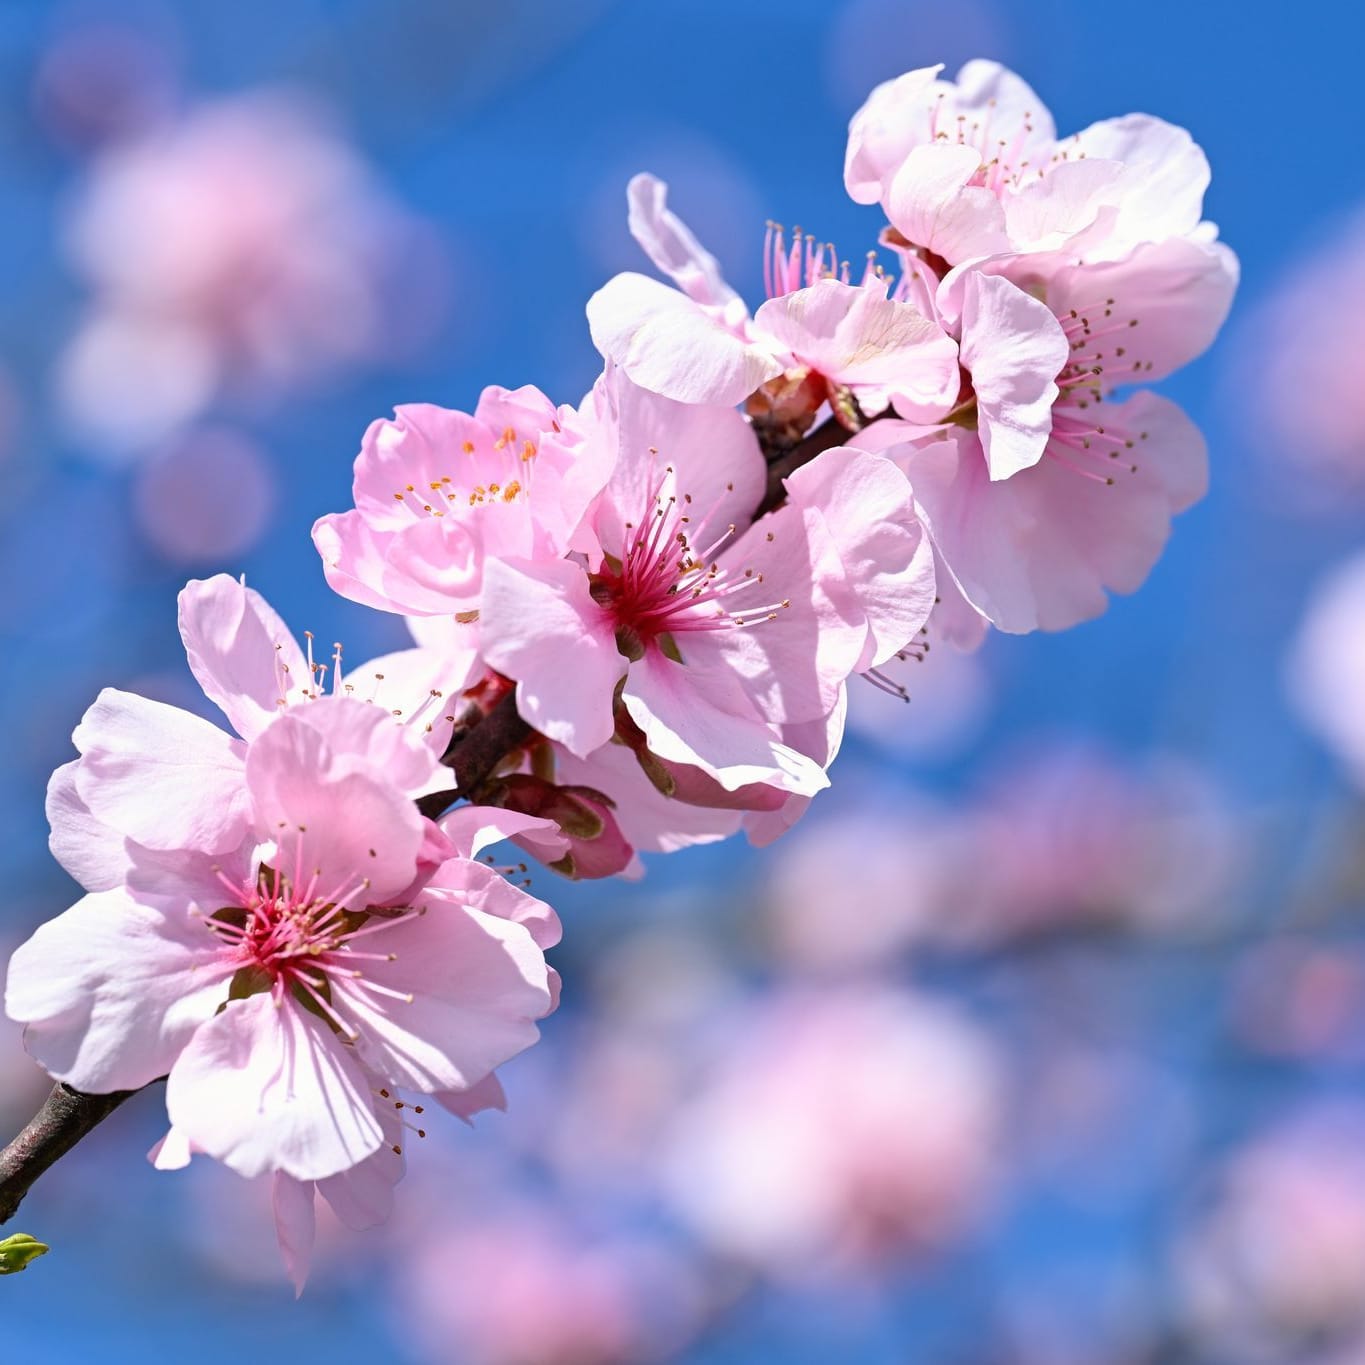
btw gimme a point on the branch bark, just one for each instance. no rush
(66, 1117)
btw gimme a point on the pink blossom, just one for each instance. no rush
(840, 1128)
(1042, 492)
(716, 631)
(439, 494)
(127, 985)
(972, 168)
(205, 497)
(816, 332)
(1060, 838)
(272, 922)
(1327, 666)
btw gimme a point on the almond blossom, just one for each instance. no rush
(440, 493)
(973, 167)
(842, 1128)
(273, 925)
(817, 334)
(713, 631)
(1047, 486)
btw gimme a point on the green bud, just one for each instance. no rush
(17, 1251)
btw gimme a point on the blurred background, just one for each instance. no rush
(1041, 1039)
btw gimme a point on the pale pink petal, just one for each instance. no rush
(111, 990)
(468, 986)
(682, 723)
(172, 1152)
(542, 628)
(95, 854)
(711, 450)
(1153, 311)
(1165, 175)
(269, 1087)
(803, 634)
(367, 730)
(819, 741)
(326, 817)
(362, 1197)
(479, 1097)
(241, 652)
(478, 886)
(669, 243)
(1014, 348)
(892, 121)
(934, 204)
(866, 504)
(160, 775)
(428, 567)
(295, 1226)
(1048, 211)
(1038, 551)
(474, 828)
(668, 344)
(855, 335)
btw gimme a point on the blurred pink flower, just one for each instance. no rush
(1306, 412)
(1073, 838)
(1327, 665)
(836, 1130)
(243, 248)
(1300, 998)
(1278, 1259)
(510, 1285)
(910, 859)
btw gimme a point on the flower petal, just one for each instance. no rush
(855, 335)
(295, 1226)
(159, 775)
(95, 854)
(241, 652)
(112, 989)
(1014, 349)
(467, 986)
(542, 628)
(670, 345)
(669, 243)
(269, 1087)
(327, 814)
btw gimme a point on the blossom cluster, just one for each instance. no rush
(670, 586)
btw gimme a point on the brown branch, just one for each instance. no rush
(66, 1117)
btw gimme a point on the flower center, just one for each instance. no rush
(804, 263)
(662, 585)
(496, 472)
(283, 937)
